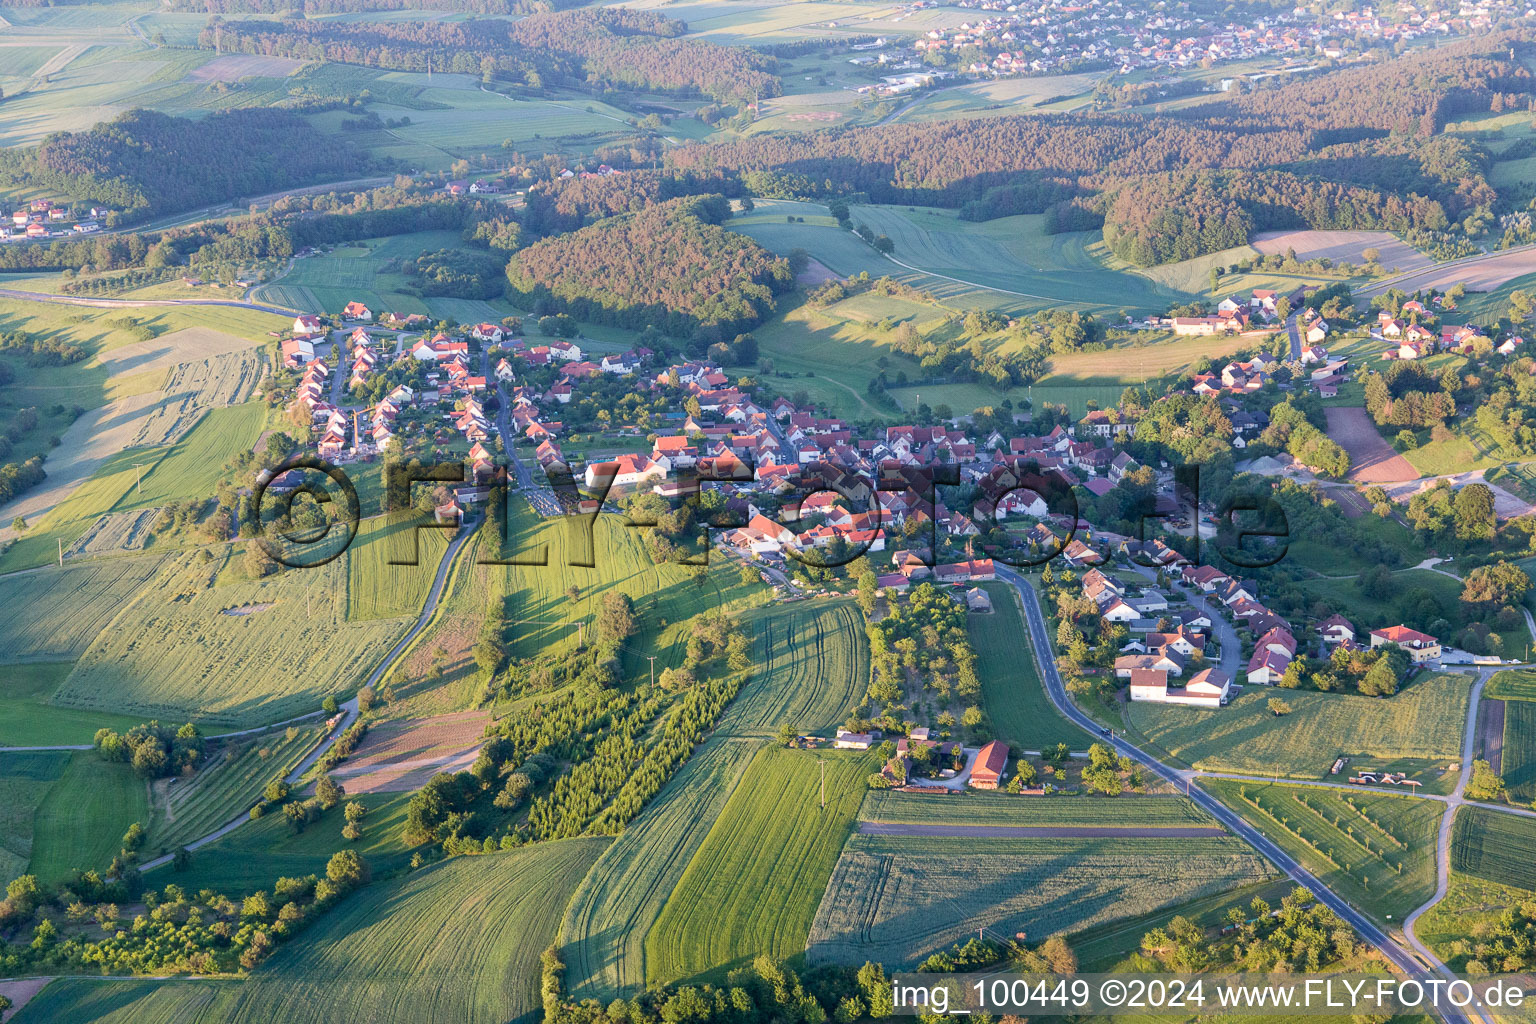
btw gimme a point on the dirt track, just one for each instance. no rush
(1372, 460)
(882, 828)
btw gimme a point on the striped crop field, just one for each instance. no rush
(895, 900)
(241, 653)
(377, 589)
(754, 885)
(1494, 846)
(812, 666)
(603, 937)
(55, 613)
(230, 782)
(975, 807)
(1518, 764)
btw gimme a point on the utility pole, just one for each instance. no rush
(652, 659)
(823, 766)
(138, 474)
(61, 552)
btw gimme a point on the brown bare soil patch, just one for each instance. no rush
(1482, 275)
(815, 273)
(236, 66)
(20, 992)
(396, 757)
(1343, 245)
(1372, 460)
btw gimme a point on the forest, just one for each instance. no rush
(611, 272)
(1164, 218)
(618, 48)
(143, 163)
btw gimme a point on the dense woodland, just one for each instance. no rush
(1164, 218)
(144, 163)
(615, 47)
(671, 265)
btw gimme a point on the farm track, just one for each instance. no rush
(350, 711)
(878, 828)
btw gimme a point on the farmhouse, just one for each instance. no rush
(356, 311)
(307, 324)
(988, 772)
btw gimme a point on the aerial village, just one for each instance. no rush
(798, 485)
(1007, 40)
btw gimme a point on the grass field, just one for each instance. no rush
(542, 618)
(975, 807)
(1424, 720)
(1518, 765)
(755, 882)
(1512, 684)
(68, 521)
(897, 899)
(1494, 846)
(458, 941)
(255, 854)
(25, 779)
(183, 809)
(327, 282)
(53, 613)
(1345, 596)
(813, 663)
(1377, 851)
(294, 649)
(80, 823)
(192, 467)
(603, 937)
(28, 720)
(379, 590)
(1011, 689)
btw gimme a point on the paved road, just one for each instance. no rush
(504, 425)
(1056, 691)
(349, 710)
(889, 828)
(1295, 333)
(1454, 803)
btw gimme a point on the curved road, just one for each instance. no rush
(349, 710)
(1056, 691)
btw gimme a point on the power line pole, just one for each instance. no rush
(652, 659)
(138, 473)
(61, 552)
(823, 766)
